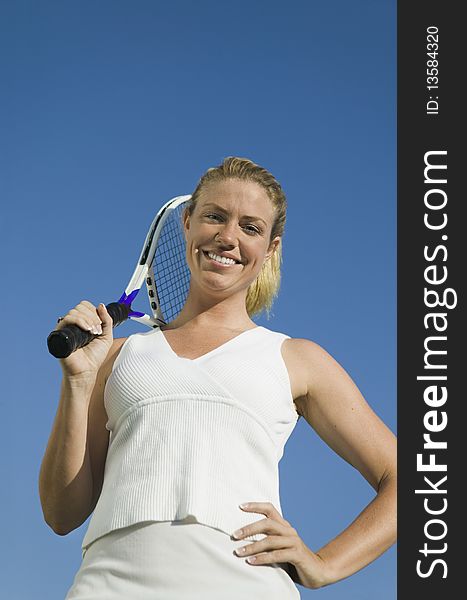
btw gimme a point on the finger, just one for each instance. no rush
(77, 317)
(264, 526)
(106, 319)
(267, 558)
(272, 542)
(88, 309)
(92, 316)
(87, 304)
(83, 315)
(265, 508)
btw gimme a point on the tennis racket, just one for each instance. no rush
(162, 264)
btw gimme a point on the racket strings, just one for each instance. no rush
(171, 272)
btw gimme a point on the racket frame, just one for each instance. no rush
(144, 270)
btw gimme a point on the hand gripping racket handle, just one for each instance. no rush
(63, 342)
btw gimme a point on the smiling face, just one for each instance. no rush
(228, 235)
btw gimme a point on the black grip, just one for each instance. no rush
(63, 342)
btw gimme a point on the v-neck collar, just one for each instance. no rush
(172, 351)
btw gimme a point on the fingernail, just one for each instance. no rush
(244, 505)
(238, 533)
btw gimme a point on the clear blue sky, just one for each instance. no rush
(110, 108)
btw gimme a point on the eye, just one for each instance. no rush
(252, 229)
(213, 216)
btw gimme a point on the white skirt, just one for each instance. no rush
(175, 560)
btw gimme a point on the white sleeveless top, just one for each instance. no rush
(194, 436)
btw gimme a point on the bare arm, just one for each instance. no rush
(72, 470)
(65, 479)
(337, 411)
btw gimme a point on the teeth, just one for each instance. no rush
(221, 259)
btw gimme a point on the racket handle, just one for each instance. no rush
(63, 342)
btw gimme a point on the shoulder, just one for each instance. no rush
(115, 348)
(315, 369)
(307, 362)
(305, 352)
(303, 346)
(112, 355)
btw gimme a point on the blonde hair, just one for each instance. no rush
(265, 287)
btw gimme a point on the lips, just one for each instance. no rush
(220, 264)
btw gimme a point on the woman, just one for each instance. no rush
(198, 415)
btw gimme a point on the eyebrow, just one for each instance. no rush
(251, 218)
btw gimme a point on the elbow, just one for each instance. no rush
(63, 529)
(388, 479)
(61, 532)
(62, 522)
(51, 522)
(58, 529)
(387, 488)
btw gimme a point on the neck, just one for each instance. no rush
(226, 313)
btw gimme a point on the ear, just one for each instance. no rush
(272, 247)
(186, 220)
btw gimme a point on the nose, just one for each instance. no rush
(226, 235)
